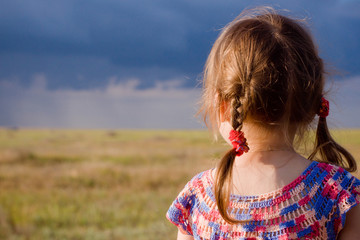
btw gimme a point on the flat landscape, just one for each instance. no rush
(103, 184)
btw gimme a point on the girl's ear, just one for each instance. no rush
(224, 111)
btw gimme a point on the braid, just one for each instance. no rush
(237, 114)
(224, 171)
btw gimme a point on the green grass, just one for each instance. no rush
(101, 184)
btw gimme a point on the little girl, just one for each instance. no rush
(263, 86)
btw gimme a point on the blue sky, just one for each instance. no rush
(137, 63)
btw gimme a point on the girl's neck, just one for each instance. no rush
(264, 139)
(270, 163)
(267, 146)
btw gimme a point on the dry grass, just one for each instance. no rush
(100, 184)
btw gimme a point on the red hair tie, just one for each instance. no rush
(324, 108)
(239, 142)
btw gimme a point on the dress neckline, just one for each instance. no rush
(277, 192)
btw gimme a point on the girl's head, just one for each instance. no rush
(264, 68)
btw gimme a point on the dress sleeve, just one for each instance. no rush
(349, 196)
(180, 210)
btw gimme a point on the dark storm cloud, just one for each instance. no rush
(135, 63)
(130, 33)
(173, 36)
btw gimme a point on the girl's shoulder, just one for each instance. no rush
(201, 178)
(198, 184)
(336, 177)
(328, 172)
(337, 184)
(181, 209)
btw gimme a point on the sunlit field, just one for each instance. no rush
(102, 184)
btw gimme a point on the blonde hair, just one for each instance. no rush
(266, 67)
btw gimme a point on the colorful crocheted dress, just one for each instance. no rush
(313, 206)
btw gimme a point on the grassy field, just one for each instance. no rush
(101, 184)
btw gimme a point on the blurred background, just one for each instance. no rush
(97, 104)
(138, 64)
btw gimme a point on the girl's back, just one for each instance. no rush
(312, 206)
